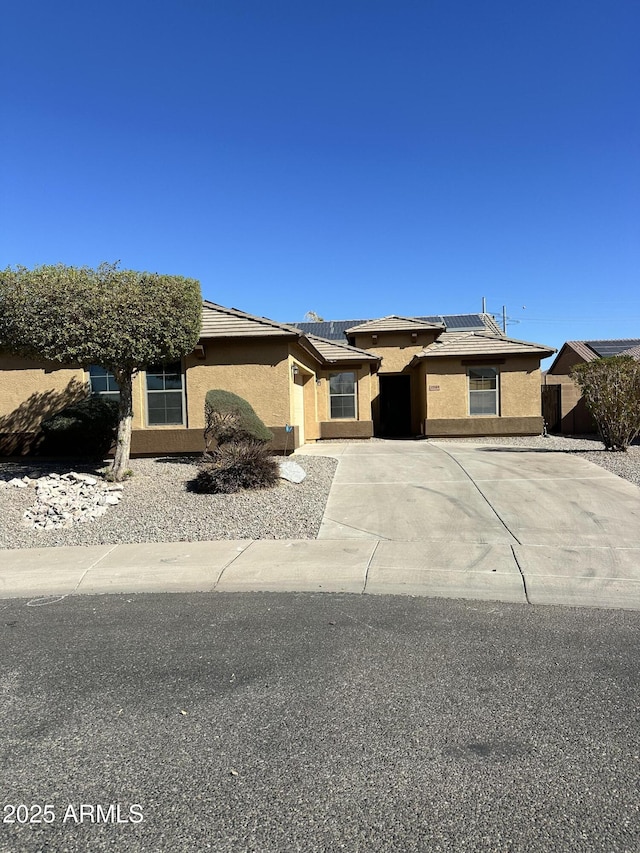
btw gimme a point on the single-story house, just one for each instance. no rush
(570, 413)
(425, 376)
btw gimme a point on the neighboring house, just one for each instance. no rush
(431, 376)
(572, 416)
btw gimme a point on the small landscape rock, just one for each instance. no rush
(291, 471)
(19, 484)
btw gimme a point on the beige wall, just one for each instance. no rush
(395, 349)
(260, 371)
(307, 377)
(256, 370)
(519, 386)
(482, 426)
(33, 390)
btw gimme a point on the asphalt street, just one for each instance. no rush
(317, 722)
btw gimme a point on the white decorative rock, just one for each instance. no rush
(66, 499)
(19, 484)
(291, 471)
(81, 478)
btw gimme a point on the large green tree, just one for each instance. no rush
(120, 319)
(611, 391)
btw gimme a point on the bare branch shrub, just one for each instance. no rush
(235, 466)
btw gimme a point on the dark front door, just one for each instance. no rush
(395, 406)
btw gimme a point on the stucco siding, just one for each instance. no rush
(481, 426)
(445, 385)
(307, 377)
(32, 390)
(256, 371)
(40, 384)
(395, 350)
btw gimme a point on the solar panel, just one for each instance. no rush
(457, 322)
(335, 329)
(330, 329)
(463, 321)
(608, 348)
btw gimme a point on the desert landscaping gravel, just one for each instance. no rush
(157, 507)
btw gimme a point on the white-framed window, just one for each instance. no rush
(483, 391)
(103, 382)
(342, 395)
(165, 394)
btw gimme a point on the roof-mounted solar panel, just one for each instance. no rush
(608, 348)
(463, 321)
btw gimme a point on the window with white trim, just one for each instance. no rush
(483, 391)
(342, 395)
(165, 397)
(103, 383)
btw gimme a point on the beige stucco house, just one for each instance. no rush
(435, 376)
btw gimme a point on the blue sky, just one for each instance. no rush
(352, 157)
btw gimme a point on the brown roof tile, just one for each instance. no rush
(220, 322)
(462, 344)
(634, 352)
(334, 351)
(393, 323)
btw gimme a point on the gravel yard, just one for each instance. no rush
(156, 507)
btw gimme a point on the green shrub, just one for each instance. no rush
(230, 418)
(241, 465)
(611, 391)
(86, 429)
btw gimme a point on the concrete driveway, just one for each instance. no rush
(540, 526)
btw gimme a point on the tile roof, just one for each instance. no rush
(393, 323)
(333, 351)
(592, 350)
(581, 348)
(634, 352)
(458, 344)
(220, 322)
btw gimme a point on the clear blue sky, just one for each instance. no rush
(353, 157)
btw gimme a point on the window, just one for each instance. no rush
(483, 391)
(103, 383)
(342, 395)
(164, 394)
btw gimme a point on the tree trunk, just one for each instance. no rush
(123, 441)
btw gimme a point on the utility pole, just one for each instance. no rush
(504, 319)
(484, 304)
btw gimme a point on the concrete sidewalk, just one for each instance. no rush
(604, 577)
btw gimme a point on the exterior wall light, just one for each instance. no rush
(295, 370)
